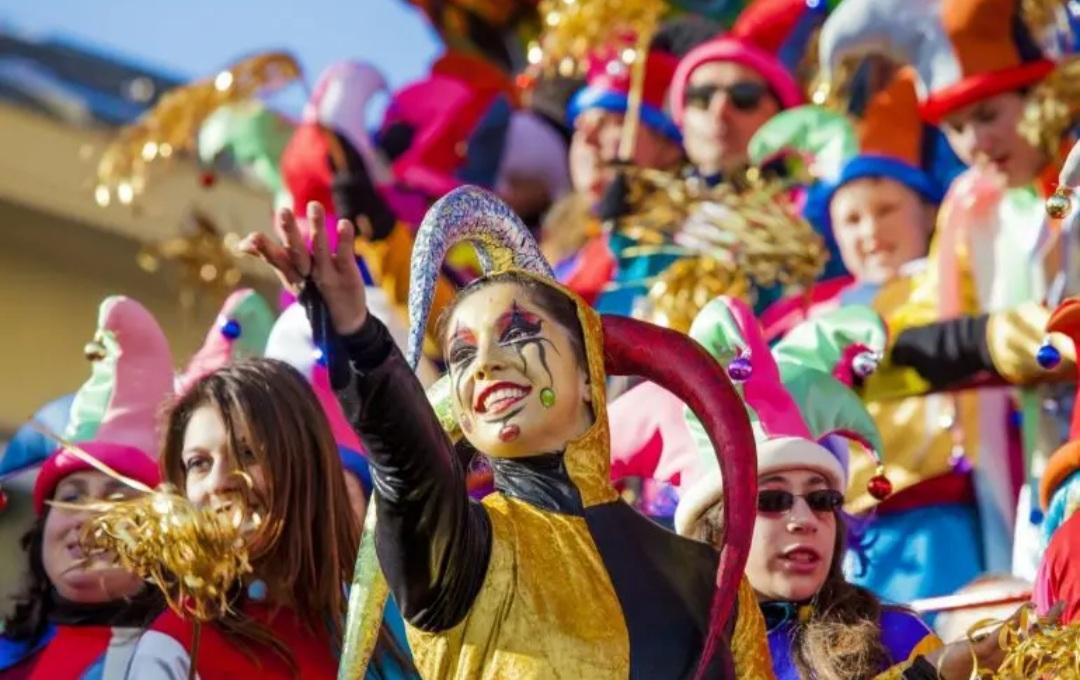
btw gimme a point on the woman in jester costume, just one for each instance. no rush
(805, 417)
(552, 575)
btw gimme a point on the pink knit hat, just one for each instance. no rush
(770, 37)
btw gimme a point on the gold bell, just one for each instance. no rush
(1059, 205)
(94, 351)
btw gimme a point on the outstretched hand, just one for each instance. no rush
(335, 273)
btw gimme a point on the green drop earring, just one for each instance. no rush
(547, 397)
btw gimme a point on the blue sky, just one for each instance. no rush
(190, 38)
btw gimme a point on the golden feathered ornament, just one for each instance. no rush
(195, 556)
(733, 237)
(172, 124)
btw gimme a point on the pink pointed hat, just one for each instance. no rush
(114, 416)
(239, 331)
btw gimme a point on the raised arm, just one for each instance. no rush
(433, 542)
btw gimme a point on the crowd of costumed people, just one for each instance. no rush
(638, 340)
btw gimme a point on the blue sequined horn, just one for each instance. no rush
(471, 214)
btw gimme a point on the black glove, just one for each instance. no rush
(324, 336)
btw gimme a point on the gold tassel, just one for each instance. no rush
(194, 556)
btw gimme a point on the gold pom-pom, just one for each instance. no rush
(1060, 203)
(194, 556)
(1033, 649)
(684, 288)
(731, 236)
(575, 29)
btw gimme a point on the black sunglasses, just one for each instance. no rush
(778, 500)
(745, 95)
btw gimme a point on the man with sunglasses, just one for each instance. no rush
(727, 88)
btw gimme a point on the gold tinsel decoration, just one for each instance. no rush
(1045, 650)
(687, 286)
(732, 235)
(206, 258)
(172, 124)
(1053, 107)
(574, 29)
(194, 556)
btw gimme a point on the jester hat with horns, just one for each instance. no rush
(615, 346)
(798, 395)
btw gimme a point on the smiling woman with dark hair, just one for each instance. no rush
(252, 435)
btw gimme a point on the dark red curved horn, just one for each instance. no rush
(682, 366)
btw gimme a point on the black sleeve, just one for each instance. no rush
(945, 353)
(432, 540)
(920, 669)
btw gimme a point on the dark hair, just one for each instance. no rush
(312, 532)
(842, 638)
(30, 618)
(561, 308)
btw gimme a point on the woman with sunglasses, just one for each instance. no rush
(804, 413)
(818, 624)
(727, 88)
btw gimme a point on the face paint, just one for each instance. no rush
(509, 433)
(505, 353)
